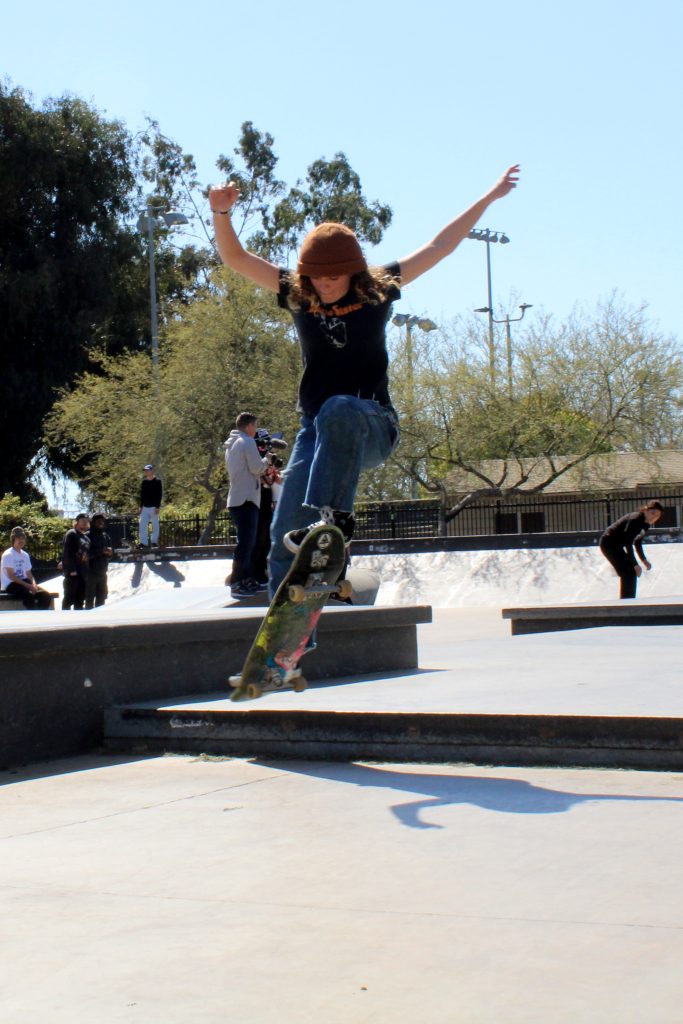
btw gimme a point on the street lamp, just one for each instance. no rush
(488, 236)
(508, 337)
(146, 222)
(426, 325)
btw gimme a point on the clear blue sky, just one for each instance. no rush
(430, 101)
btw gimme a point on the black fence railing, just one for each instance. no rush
(411, 519)
(560, 515)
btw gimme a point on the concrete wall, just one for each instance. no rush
(56, 681)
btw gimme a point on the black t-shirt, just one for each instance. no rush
(343, 346)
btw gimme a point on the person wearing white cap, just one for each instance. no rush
(151, 494)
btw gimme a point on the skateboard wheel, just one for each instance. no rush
(299, 684)
(254, 691)
(296, 593)
(235, 681)
(345, 589)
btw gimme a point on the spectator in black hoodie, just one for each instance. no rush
(98, 562)
(75, 561)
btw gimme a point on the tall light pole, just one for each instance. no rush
(146, 223)
(426, 325)
(508, 337)
(489, 236)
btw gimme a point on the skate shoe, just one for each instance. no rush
(242, 589)
(328, 517)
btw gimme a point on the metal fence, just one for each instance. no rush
(411, 519)
(559, 515)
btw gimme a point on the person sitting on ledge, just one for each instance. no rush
(16, 576)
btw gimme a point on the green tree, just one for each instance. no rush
(232, 350)
(45, 531)
(66, 285)
(74, 278)
(605, 382)
(278, 217)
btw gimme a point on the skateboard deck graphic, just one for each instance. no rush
(313, 577)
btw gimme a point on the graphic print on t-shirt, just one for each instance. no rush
(333, 329)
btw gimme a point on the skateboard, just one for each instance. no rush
(272, 662)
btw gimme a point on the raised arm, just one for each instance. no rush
(222, 198)
(452, 235)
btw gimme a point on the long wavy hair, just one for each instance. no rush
(372, 286)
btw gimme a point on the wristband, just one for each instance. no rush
(220, 213)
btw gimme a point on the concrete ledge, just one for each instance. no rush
(57, 680)
(556, 740)
(13, 604)
(550, 619)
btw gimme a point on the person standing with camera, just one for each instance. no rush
(271, 484)
(245, 469)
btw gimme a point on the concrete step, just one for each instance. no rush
(543, 740)
(554, 618)
(58, 677)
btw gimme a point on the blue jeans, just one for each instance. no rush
(147, 516)
(331, 450)
(245, 518)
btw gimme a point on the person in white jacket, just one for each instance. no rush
(245, 468)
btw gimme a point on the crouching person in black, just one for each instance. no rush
(619, 539)
(98, 562)
(17, 575)
(75, 563)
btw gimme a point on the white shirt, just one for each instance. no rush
(17, 560)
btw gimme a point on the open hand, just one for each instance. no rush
(223, 197)
(506, 182)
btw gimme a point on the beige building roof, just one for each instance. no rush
(609, 472)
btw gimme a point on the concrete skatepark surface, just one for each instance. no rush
(174, 889)
(185, 889)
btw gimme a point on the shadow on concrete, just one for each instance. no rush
(68, 766)
(168, 572)
(506, 796)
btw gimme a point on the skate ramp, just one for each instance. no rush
(471, 579)
(444, 579)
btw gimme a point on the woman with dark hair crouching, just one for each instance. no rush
(619, 540)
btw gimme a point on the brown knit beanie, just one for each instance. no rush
(330, 249)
